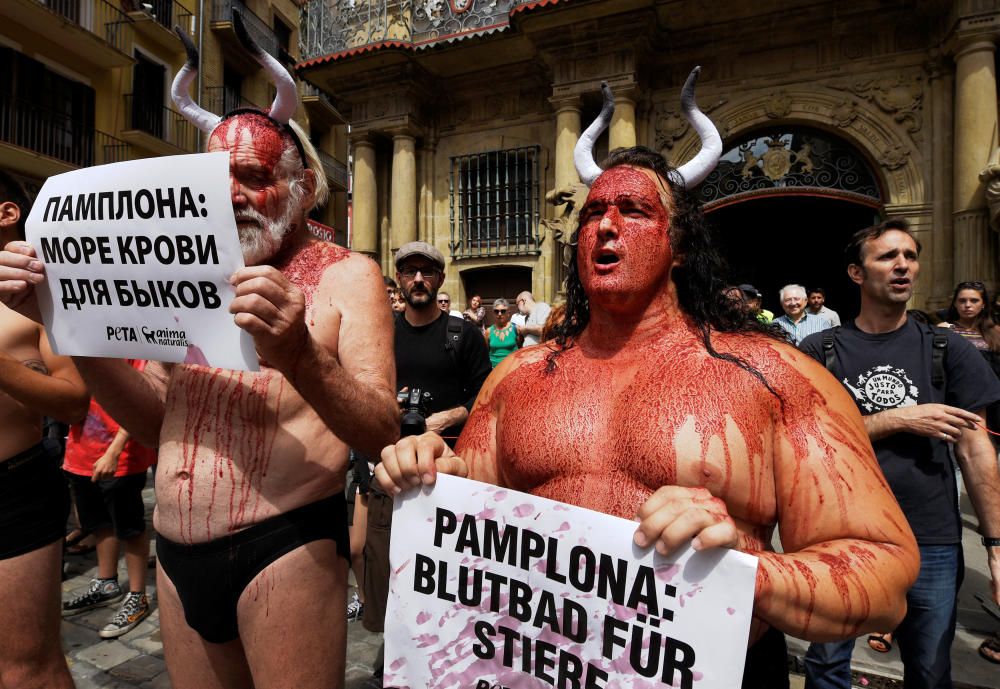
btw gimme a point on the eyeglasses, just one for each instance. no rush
(499, 311)
(411, 272)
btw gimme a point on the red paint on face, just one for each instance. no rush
(255, 145)
(623, 249)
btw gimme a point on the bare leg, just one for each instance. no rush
(31, 653)
(358, 530)
(136, 561)
(292, 622)
(192, 662)
(107, 553)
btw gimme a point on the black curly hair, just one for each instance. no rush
(700, 279)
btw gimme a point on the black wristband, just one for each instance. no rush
(991, 542)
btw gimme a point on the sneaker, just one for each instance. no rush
(134, 610)
(355, 609)
(101, 592)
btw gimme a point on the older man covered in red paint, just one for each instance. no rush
(252, 539)
(660, 399)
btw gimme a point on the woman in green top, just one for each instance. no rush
(502, 337)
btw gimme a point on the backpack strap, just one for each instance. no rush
(829, 357)
(453, 338)
(939, 349)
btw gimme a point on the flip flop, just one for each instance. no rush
(79, 549)
(989, 650)
(880, 643)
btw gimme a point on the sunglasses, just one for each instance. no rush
(499, 311)
(444, 301)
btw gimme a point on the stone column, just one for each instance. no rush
(622, 133)
(365, 199)
(403, 203)
(975, 138)
(567, 133)
(942, 236)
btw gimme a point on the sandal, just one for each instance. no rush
(990, 649)
(880, 643)
(74, 543)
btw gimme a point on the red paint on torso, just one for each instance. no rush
(306, 268)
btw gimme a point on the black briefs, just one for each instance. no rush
(767, 662)
(210, 577)
(34, 501)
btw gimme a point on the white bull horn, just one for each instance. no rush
(692, 173)
(179, 90)
(583, 152)
(286, 97)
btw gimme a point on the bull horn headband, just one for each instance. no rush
(688, 175)
(286, 98)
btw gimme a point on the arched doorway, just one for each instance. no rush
(784, 203)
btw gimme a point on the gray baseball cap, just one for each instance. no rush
(420, 249)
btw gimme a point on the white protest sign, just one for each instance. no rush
(137, 257)
(494, 588)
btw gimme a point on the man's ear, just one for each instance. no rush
(856, 273)
(10, 214)
(309, 188)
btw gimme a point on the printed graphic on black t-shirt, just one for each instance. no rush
(883, 387)
(893, 370)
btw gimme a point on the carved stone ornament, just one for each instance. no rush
(991, 178)
(778, 104)
(571, 198)
(844, 112)
(900, 96)
(894, 157)
(777, 161)
(672, 126)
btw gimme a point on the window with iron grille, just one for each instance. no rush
(495, 203)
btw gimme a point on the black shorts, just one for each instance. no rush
(210, 577)
(113, 503)
(34, 501)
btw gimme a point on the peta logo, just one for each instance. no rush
(164, 337)
(483, 684)
(124, 333)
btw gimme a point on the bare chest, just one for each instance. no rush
(19, 337)
(638, 425)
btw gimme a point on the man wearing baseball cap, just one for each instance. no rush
(436, 353)
(752, 297)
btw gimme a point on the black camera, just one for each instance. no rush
(414, 404)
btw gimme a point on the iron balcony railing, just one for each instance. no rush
(56, 136)
(495, 203)
(168, 13)
(333, 26)
(99, 17)
(256, 27)
(220, 100)
(161, 122)
(335, 170)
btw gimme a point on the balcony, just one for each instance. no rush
(321, 109)
(335, 171)
(42, 142)
(220, 100)
(155, 21)
(93, 31)
(259, 30)
(158, 129)
(336, 26)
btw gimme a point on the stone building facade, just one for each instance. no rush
(464, 114)
(87, 82)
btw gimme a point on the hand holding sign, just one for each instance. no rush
(674, 515)
(272, 310)
(415, 460)
(20, 271)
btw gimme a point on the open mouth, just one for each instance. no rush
(606, 257)
(900, 282)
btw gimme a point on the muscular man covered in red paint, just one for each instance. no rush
(659, 399)
(251, 522)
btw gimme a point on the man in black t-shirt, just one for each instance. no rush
(917, 407)
(441, 355)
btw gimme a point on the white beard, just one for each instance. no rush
(262, 241)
